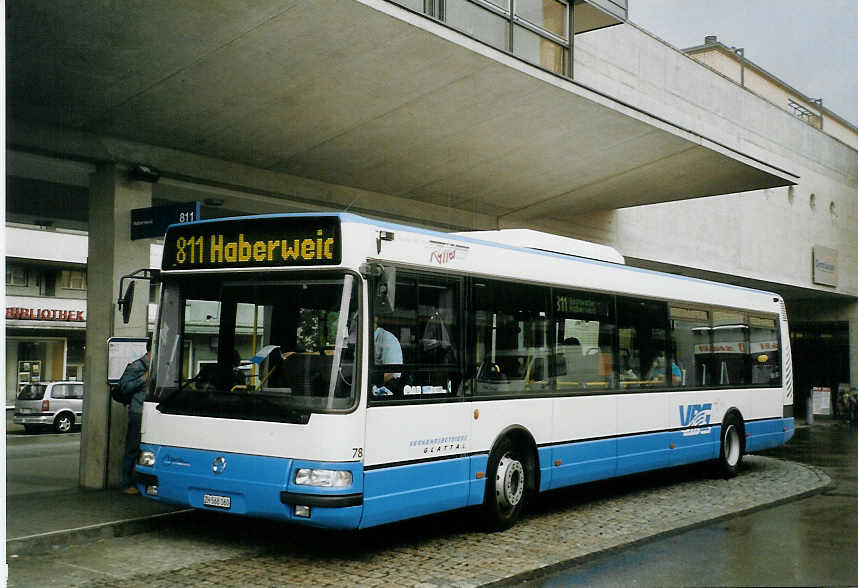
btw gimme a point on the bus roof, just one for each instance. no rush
(523, 240)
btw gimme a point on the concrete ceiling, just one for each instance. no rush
(345, 92)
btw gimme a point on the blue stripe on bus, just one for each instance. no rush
(402, 492)
(639, 453)
(695, 444)
(789, 425)
(545, 468)
(768, 433)
(477, 485)
(583, 462)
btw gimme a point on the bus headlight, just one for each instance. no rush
(324, 478)
(146, 458)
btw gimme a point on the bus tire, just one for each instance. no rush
(506, 481)
(732, 445)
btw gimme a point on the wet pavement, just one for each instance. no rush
(810, 542)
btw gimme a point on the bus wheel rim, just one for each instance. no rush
(509, 483)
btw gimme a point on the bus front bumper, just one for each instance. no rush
(250, 485)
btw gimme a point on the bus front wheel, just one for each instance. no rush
(732, 446)
(506, 481)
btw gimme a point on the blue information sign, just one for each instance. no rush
(153, 222)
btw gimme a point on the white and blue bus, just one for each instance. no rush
(343, 372)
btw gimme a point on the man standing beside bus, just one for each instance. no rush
(133, 385)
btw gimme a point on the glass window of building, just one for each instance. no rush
(548, 15)
(415, 5)
(16, 275)
(584, 328)
(478, 22)
(502, 4)
(73, 279)
(540, 27)
(690, 332)
(539, 50)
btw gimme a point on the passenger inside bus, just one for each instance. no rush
(656, 373)
(388, 351)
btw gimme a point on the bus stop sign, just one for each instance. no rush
(153, 221)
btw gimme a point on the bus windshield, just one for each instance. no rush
(256, 349)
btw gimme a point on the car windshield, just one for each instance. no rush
(32, 392)
(256, 350)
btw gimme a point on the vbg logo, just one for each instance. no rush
(695, 415)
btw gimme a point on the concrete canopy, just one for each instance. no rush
(357, 93)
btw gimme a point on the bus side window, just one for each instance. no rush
(512, 344)
(424, 320)
(690, 342)
(642, 339)
(584, 328)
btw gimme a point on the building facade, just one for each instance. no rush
(45, 307)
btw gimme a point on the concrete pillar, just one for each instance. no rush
(852, 316)
(111, 255)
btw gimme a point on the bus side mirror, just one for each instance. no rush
(125, 302)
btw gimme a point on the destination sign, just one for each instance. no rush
(254, 242)
(574, 305)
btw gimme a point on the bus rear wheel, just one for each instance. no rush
(732, 446)
(506, 481)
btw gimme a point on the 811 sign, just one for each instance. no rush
(147, 223)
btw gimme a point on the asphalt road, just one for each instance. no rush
(811, 542)
(40, 462)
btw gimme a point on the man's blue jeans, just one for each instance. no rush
(132, 447)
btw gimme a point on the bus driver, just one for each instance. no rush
(388, 351)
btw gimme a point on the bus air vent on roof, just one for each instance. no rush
(548, 242)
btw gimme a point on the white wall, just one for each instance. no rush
(765, 234)
(45, 245)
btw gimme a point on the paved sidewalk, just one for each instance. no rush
(36, 523)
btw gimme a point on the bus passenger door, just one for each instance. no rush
(417, 435)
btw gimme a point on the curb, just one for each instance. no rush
(47, 542)
(543, 572)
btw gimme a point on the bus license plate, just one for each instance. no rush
(218, 501)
